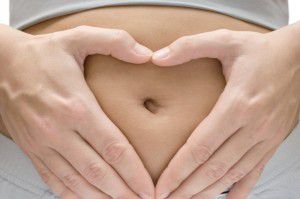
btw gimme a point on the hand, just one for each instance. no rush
(3, 130)
(256, 111)
(53, 116)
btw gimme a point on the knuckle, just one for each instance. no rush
(48, 134)
(78, 107)
(185, 42)
(232, 38)
(95, 173)
(75, 108)
(72, 180)
(216, 170)
(245, 105)
(114, 152)
(256, 103)
(200, 153)
(78, 30)
(259, 169)
(45, 175)
(43, 124)
(119, 36)
(225, 34)
(239, 103)
(234, 176)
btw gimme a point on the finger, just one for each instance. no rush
(90, 40)
(114, 148)
(215, 44)
(219, 164)
(250, 166)
(92, 167)
(51, 180)
(106, 139)
(242, 189)
(69, 176)
(239, 171)
(204, 141)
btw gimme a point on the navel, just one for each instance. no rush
(151, 105)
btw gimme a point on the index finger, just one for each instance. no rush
(88, 40)
(203, 142)
(215, 44)
(107, 139)
(242, 188)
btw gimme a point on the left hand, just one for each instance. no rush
(257, 110)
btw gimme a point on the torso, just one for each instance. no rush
(179, 97)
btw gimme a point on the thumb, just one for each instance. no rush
(216, 44)
(88, 40)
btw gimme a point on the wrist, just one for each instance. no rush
(294, 35)
(287, 38)
(9, 40)
(285, 45)
(3, 129)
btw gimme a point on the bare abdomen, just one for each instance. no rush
(156, 108)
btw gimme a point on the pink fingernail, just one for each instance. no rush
(163, 196)
(161, 54)
(142, 50)
(144, 196)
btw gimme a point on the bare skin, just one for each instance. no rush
(257, 110)
(177, 98)
(156, 108)
(41, 109)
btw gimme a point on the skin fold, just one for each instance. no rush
(156, 108)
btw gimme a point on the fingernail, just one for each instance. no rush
(163, 196)
(144, 196)
(142, 50)
(162, 53)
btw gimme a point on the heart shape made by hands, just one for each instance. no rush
(157, 108)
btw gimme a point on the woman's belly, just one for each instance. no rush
(156, 108)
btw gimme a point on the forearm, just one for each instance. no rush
(288, 39)
(9, 38)
(295, 30)
(3, 128)
(293, 34)
(5, 50)
(295, 51)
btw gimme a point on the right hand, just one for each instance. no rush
(51, 113)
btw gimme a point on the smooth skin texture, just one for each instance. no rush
(183, 95)
(178, 98)
(155, 31)
(45, 101)
(257, 110)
